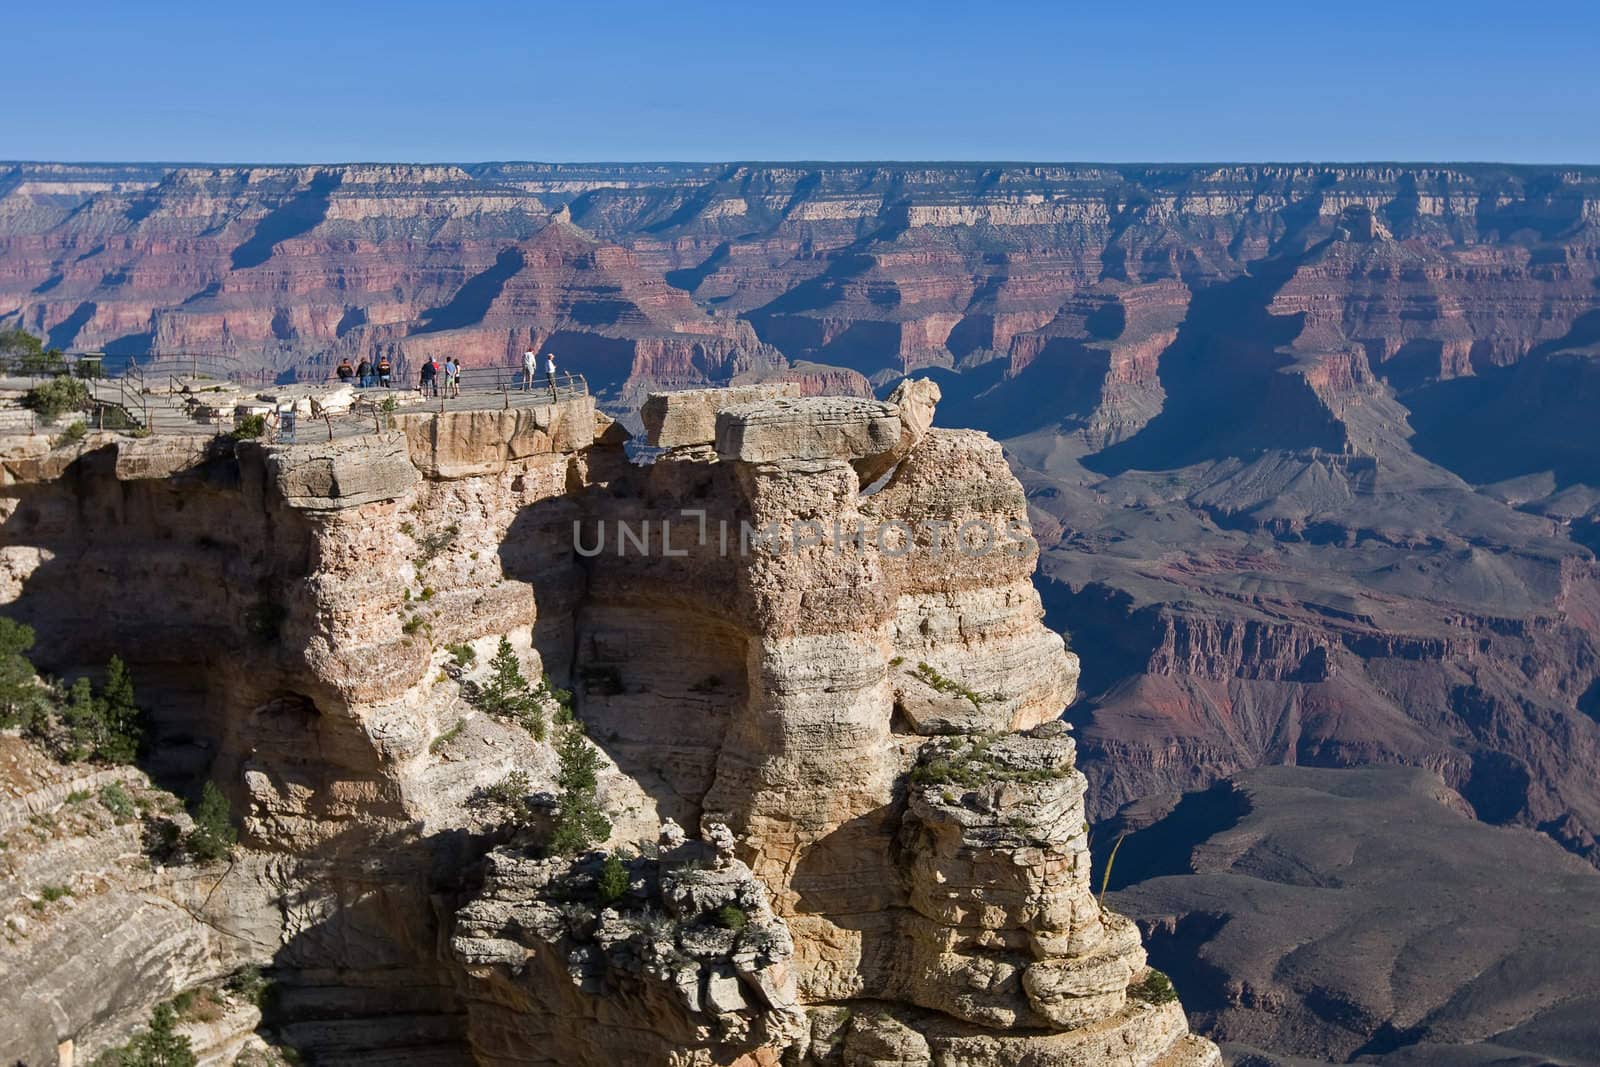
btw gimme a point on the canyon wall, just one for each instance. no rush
(851, 705)
(1308, 450)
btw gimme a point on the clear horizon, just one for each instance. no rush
(631, 82)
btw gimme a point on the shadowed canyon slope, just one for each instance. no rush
(1272, 900)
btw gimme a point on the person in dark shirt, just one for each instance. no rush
(364, 374)
(345, 371)
(430, 377)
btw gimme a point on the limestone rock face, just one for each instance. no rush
(342, 474)
(687, 418)
(692, 947)
(807, 428)
(915, 399)
(816, 646)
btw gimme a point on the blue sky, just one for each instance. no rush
(468, 81)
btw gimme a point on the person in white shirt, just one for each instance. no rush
(550, 372)
(530, 362)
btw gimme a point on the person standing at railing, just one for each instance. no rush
(430, 377)
(455, 383)
(530, 363)
(385, 371)
(550, 372)
(345, 371)
(364, 373)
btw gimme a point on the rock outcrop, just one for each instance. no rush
(812, 637)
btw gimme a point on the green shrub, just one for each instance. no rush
(507, 694)
(432, 545)
(413, 625)
(52, 399)
(213, 836)
(105, 726)
(441, 742)
(563, 699)
(927, 674)
(1154, 988)
(581, 822)
(53, 893)
(249, 984)
(115, 799)
(971, 764)
(19, 350)
(511, 795)
(71, 435)
(249, 427)
(21, 696)
(464, 655)
(510, 790)
(732, 917)
(159, 1046)
(613, 882)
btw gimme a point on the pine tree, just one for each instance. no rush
(104, 726)
(580, 820)
(82, 722)
(506, 684)
(20, 695)
(213, 836)
(613, 882)
(161, 1045)
(122, 732)
(508, 694)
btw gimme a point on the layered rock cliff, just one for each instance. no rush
(807, 634)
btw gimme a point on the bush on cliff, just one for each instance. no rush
(55, 398)
(507, 693)
(76, 724)
(1154, 988)
(103, 726)
(23, 353)
(213, 836)
(22, 698)
(581, 822)
(613, 881)
(249, 427)
(159, 1046)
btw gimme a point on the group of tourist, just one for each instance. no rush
(368, 374)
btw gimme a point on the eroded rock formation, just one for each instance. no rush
(806, 631)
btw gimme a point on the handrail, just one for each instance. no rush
(499, 379)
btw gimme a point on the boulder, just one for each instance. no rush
(803, 429)
(342, 474)
(915, 399)
(159, 456)
(687, 418)
(723, 993)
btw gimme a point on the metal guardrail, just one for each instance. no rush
(124, 400)
(477, 381)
